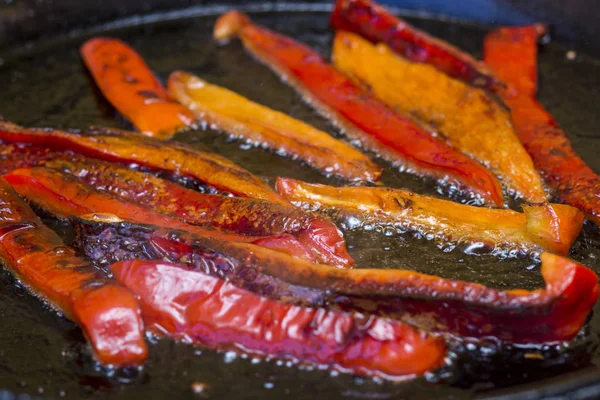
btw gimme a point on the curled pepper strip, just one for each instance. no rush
(130, 86)
(211, 312)
(468, 117)
(512, 54)
(107, 312)
(122, 147)
(63, 196)
(541, 227)
(242, 118)
(240, 215)
(362, 116)
(554, 313)
(376, 24)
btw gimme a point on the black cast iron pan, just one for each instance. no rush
(45, 84)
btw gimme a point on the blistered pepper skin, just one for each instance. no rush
(541, 227)
(131, 87)
(125, 148)
(512, 54)
(211, 312)
(361, 116)
(376, 24)
(63, 196)
(107, 312)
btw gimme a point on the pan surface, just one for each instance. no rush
(46, 356)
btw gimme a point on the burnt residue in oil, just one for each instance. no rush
(44, 355)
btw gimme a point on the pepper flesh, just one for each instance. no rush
(243, 118)
(376, 24)
(209, 311)
(362, 117)
(541, 227)
(241, 215)
(468, 117)
(63, 196)
(129, 85)
(124, 148)
(554, 313)
(512, 54)
(107, 312)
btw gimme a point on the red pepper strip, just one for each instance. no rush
(63, 196)
(240, 215)
(107, 312)
(130, 86)
(554, 313)
(512, 54)
(541, 227)
(361, 115)
(208, 311)
(207, 167)
(376, 24)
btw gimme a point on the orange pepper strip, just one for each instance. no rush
(542, 227)
(125, 148)
(131, 87)
(362, 116)
(376, 24)
(468, 117)
(243, 118)
(107, 312)
(212, 312)
(512, 54)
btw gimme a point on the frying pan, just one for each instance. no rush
(44, 84)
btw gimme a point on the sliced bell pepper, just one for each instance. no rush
(242, 118)
(468, 117)
(63, 196)
(125, 148)
(541, 227)
(129, 85)
(512, 54)
(376, 24)
(107, 312)
(208, 311)
(237, 214)
(554, 313)
(359, 114)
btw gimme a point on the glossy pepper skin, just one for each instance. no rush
(238, 215)
(376, 24)
(107, 312)
(265, 127)
(554, 313)
(469, 118)
(125, 148)
(541, 227)
(63, 196)
(131, 87)
(208, 311)
(512, 54)
(359, 114)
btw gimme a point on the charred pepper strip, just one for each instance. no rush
(242, 118)
(63, 196)
(468, 117)
(130, 86)
(240, 215)
(541, 227)
(554, 313)
(363, 117)
(512, 54)
(159, 156)
(211, 312)
(376, 24)
(108, 313)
